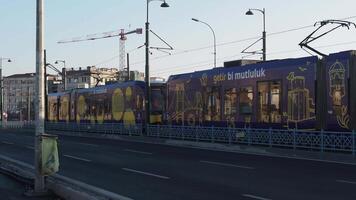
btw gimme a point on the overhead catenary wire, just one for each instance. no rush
(206, 63)
(221, 44)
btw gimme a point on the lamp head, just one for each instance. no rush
(196, 20)
(164, 5)
(9, 60)
(249, 12)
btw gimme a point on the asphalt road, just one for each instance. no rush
(151, 171)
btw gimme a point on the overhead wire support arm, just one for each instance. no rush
(310, 38)
(252, 52)
(169, 47)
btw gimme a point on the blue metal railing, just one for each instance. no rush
(294, 139)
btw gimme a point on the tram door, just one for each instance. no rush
(269, 101)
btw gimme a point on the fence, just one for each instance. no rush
(316, 140)
(295, 139)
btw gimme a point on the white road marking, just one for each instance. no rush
(93, 145)
(349, 182)
(226, 164)
(30, 147)
(145, 173)
(4, 142)
(77, 158)
(140, 152)
(254, 197)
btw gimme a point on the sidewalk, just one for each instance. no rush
(11, 189)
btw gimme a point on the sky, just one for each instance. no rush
(192, 41)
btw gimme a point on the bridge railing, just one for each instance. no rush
(103, 128)
(17, 124)
(315, 140)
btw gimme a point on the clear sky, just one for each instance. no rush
(66, 19)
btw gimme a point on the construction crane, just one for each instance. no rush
(121, 33)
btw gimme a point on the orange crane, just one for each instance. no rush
(121, 33)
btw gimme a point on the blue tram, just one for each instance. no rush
(298, 93)
(301, 93)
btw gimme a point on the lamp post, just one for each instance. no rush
(263, 11)
(212, 30)
(63, 72)
(147, 65)
(2, 86)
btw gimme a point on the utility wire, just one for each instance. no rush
(222, 44)
(209, 63)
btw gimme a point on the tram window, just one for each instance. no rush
(269, 94)
(246, 100)
(180, 97)
(263, 97)
(275, 102)
(157, 101)
(230, 102)
(214, 104)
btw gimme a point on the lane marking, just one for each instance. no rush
(77, 158)
(29, 147)
(140, 152)
(254, 197)
(349, 182)
(145, 173)
(226, 164)
(93, 145)
(9, 143)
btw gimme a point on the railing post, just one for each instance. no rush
(270, 136)
(229, 132)
(294, 139)
(170, 131)
(182, 129)
(248, 135)
(196, 134)
(322, 140)
(353, 142)
(157, 130)
(212, 134)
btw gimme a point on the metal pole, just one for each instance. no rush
(45, 81)
(29, 104)
(39, 98)
(147, 73)
(128, 66)
(212, 30)
(264, 34)
(1, 91)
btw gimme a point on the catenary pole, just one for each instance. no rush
(39, 97)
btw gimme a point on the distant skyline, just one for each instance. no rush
(193, 42)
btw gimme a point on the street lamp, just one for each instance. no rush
(196, 20)
(147, 66)
(2, 86)
(63, 72)
(249, 12)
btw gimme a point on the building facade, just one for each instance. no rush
(89, 77)
(19, 91)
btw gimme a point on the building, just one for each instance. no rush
(19, 92)
(54, 84)
(19, 96)
(134, 76)
(89, 77)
